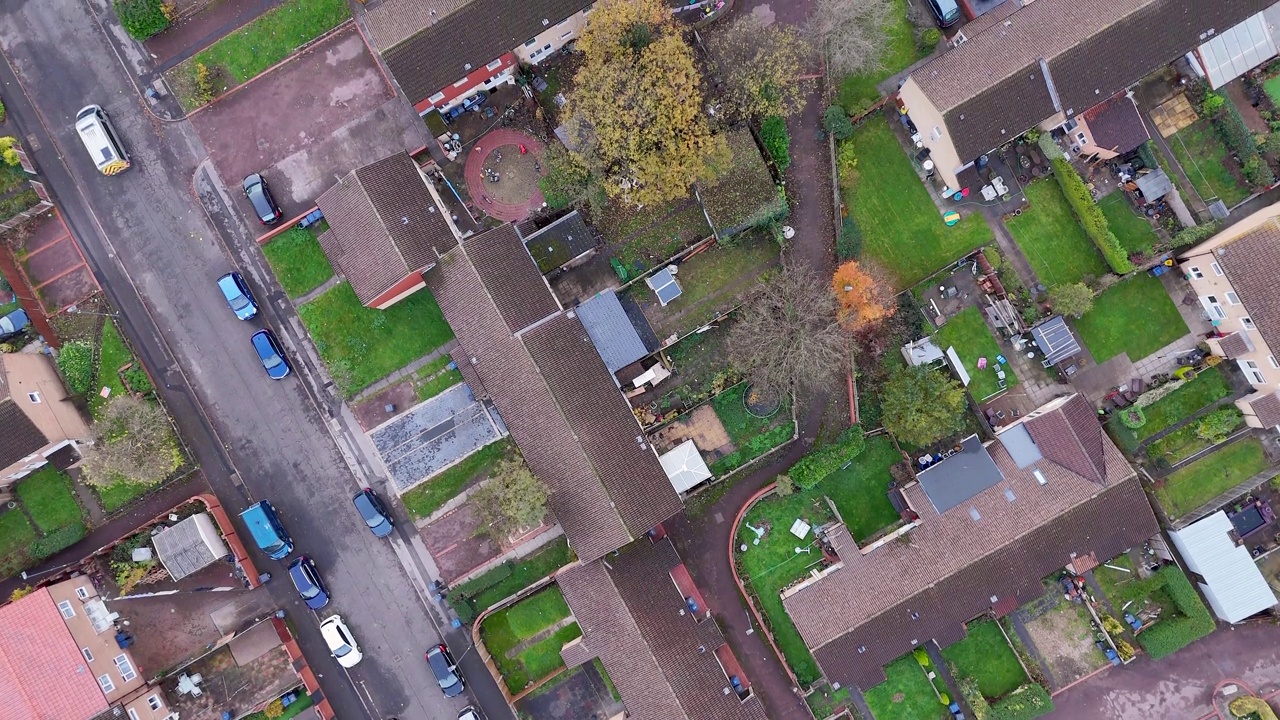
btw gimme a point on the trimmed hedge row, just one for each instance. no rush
(1090, 216)
(826, 459)
(1027, 702)
(777, 141)
(1171, 634)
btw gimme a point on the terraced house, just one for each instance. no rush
(1234, 278)
(1045, 64)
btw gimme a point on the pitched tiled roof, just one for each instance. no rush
(475, 34)
(635, 620)
(19, 437)
(391, 22)
(553, 392)
(1236, 344)
(42, 675)
(954, 563)
(1116, 124)
(1267, 409)
(1250, 263)
(1072, 437)
(522, 296)
(1094, 49)
(384, 224)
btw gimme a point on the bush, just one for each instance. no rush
(826, 459)
(846, 165)
(3, 113)
(837, 123)
(1133, 417)
(76, 363)
(849, 244)
(566, 180)
(1195, 234)
(786, 485)
(141, 18)
(1147, 151)
(274, 709)
(1090, 216)
(1271, 144)
(1027, 702)
(205, 89)
(56, 541)
(12, 158)
(1192, 622)
(994, 259)
(1211, 104)
(929, 40)
(138, 379)
(1217, 425)
(1231, 128)
(1257, 172)
(776, 140)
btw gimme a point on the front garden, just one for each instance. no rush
(967, 331)
(1199, 482)
(47, 518)
(906, 693)
(478, 594)
(1050, 236)
(1181, 617)
(525, 638)
(430, 495)
(361, 345)
(1134, 316)
(298, 261)
(901, 228)
(991, 677)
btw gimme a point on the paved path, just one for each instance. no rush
(1009, 247)
(191, 34)
(1179, 687)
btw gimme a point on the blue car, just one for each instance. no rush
(271, 354)
(13, 323)
(306, 579)
(238, 296)
(373, 512)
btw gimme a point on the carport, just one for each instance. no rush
(435, 434)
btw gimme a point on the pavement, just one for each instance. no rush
(153, 249)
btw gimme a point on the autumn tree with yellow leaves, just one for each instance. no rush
(862, 298)
(637, 105)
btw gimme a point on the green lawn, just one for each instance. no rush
(902, 228)
(985, 656)
(859, 91)
(905, 694)
(112, 355)
(362, 345)
(1204, 159)
(751, 435)
(1190, 487)
(426, 498)
(1132, 230)
(117, 495)
(969, 334)
(1052, 239)
(295, 709)
(16, 536)
(509, 578)
(298, 261)
(272, 37)
(506, 629)
(48, 497)
(1208, 386)
(1134, 316)
(433, 386)
(861, 491)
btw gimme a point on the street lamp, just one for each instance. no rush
(26, 575)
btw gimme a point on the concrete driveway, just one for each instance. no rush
(306, 123)
(1179, 687)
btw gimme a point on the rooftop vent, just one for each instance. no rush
(973, 513)
(1008, 495)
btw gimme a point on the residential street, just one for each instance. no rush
(152, 248)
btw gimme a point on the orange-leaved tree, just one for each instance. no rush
(862, 298)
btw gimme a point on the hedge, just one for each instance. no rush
(773, 134)
(56, 541)
(1090, 216)
(141, 18)
(1027, 702)
(826, 459)
(1171, 634)
(849, 244)
(75, 360)
(1195, 234)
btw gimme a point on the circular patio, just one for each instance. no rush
(515, 194)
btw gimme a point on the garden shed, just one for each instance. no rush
(685, 467)
(1227, 575)
(189, 546)
(1055, 340)
(611, 331)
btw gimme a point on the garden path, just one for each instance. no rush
(1009, 247)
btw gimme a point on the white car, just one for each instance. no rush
(470, 713)
(341, 644)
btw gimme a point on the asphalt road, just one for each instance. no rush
(154, 249)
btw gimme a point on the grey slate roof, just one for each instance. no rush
(1055, 339)
(475, 34)
(611, 331)
(960, 476)
(559, 242)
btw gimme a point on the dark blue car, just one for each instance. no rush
(306, 579)
(373, 512)
(13, 323)
(271, 354)
(238, 296)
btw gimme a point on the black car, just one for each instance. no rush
(255, 188)
(947, 12)
(237, 294)
(307, 580)
(271, 354)
(374, 513)
(446, 671)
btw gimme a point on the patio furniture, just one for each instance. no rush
(800, 528)
(982, 363)
(1001, 359)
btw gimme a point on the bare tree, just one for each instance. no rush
(852, 33)
(788, 333)
(512, 498)
(761, 66)
(133, 442)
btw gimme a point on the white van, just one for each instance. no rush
(100, 139)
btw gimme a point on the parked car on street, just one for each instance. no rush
(470, 712)
(446, 671)
(13, 323)
(374, 513)
(306, 579)
(342, 645)
(271, 354)
(255, 188)
(238, 295)
(947, 12)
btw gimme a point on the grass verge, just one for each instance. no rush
(298, 261)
